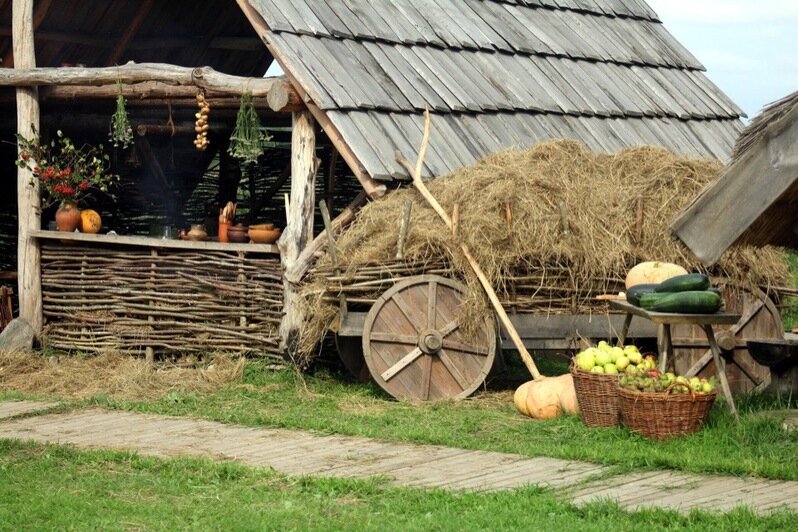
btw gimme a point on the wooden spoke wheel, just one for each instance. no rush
(413, 345)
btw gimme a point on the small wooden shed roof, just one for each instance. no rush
(755, 200)
(495, 73)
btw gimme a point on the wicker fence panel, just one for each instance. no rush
(129, 299)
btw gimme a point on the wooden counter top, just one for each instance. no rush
(150, 242)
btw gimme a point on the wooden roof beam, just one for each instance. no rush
(279, 93)
(130, 31)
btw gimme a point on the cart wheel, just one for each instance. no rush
(350, 351)
(414, 348)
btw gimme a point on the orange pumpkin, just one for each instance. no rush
(547, 398)
(653, 273)
(90, 221)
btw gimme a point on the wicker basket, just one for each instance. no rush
(597, 396)
(663, 415)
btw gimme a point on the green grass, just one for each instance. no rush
(59, 488)
(328, 403)
(789, 314)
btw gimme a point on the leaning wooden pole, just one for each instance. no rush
(299, 222)
(415, 174)
(28, 201)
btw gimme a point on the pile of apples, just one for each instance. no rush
(655, 381)
(609, 360)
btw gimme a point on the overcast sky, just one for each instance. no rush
(749, 47)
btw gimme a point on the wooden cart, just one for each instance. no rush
(408, 340)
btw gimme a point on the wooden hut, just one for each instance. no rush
(495, 74)
(753, 201)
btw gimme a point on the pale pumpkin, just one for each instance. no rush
(547, 398)
(542, 401)
(519, 398)
(90, 221)
(567, 395)
(652, 272)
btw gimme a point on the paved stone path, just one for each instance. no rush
(295, 452)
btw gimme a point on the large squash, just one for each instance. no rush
(90, 221)
(652, 272)
(547, 398)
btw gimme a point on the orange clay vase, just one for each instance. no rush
(67, 217)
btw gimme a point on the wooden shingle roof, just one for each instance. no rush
(495, 74)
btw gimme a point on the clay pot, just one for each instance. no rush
(238, 234)
(197, 232)
(264, 233)
(67, 217)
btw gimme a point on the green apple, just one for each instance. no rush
(627, 349)
(610, 369)
(695, 384)
(707, 387)
(597, 369)
(585, 360)
(635, 357)
(603, 358)
(622, 363)
(615, 352)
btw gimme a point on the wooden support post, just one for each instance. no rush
(28, 201)
(299, 222)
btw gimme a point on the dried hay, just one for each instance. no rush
(598, 193)
(112, 374)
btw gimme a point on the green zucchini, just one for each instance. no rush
(690, 302)
(647, 300)
(634, 293)
(684, 283)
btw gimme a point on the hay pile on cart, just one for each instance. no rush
(553, 227)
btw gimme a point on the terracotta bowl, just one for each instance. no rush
(238, 234)
(264, 234)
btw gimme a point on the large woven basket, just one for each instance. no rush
(662, 415)
(597, 396)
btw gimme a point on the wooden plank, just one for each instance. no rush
(149, 242)
(720, 318)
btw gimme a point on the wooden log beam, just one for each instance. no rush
(28, 200)
(283, 99)
(278, 92)
(299, 224)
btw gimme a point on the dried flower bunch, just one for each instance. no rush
(65, 172)
(248, 139)
(120, 130)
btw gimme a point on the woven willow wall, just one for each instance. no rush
(100, 297)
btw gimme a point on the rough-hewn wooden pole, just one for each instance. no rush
(28, 202)
(299, 224)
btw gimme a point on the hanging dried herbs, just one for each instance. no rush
(248, 139)
(121, 132)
